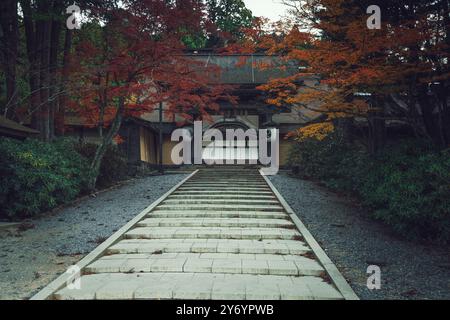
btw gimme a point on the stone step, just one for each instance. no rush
(227, 173)
(218, 188)
(190, 255)
(301, 266)
(220, 196)
(210, 222)
(238, 176)
(208, 188)
(158, 286)
(212, 233)
(217, 214)
(220, 192)
(226, 178)
(229, 183)
(220, 201)
(226, 184)
(218, 171)
(223, 207)
(277, 247)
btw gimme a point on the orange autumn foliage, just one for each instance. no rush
(330, 39)
(317, 131)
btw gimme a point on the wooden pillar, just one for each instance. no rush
(377, 125)
(161, 166)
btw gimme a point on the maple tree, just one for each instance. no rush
(139, 65)
(378, 74)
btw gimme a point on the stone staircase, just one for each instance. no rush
(223, 234)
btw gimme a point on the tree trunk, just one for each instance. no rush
(38, 31)
(54, 68)
(33, 63)
(428, 115)
(60, 121)
(344, 128)
(106, 142)
(9, 25)
(443, 98)
(45, 31)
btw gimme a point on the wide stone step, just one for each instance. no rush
(210, 222)
(227, 179)
(300, 266)
(224, 207)
(190, 286)
(237, 177)
(227, 183)
(277, 247)
(191, 255)
(220, 196)
(210, 192)
(217, 214)
(218, 188)
(224, 179)
(226, 186)
(228, 173)
(212, 233)
(220, 201)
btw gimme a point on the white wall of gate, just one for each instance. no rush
(231, 150)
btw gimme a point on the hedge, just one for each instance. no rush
(407, 186)
(38, 176)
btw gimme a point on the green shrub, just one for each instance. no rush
(38, 176)
(407, 186)
(411, 192)
(113, 168)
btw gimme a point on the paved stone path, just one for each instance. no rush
(222, 234)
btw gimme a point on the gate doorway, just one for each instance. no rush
(237, 151)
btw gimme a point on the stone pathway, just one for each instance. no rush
(224, 233)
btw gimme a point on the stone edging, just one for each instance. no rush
(335, 275)
(47, 292)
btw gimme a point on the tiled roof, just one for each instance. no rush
(247, 69)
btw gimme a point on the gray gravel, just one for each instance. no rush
(31, 259)
(353, 242)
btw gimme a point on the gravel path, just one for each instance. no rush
(353, 242)
(32, 258)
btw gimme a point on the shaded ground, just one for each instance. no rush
(353, 242)
(32, 258)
